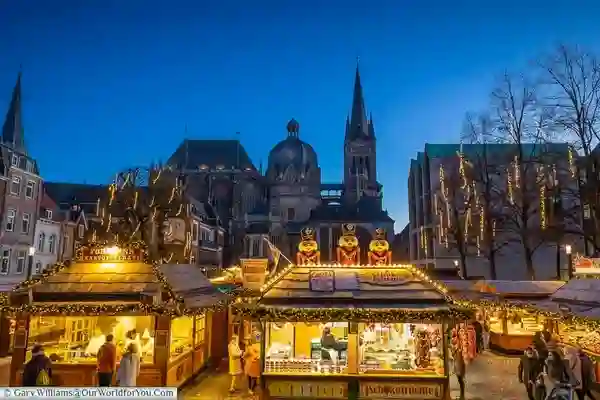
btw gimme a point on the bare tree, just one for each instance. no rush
(484, 172)
(139, 206)
(454, 207)
(570, 80)
(524, 127)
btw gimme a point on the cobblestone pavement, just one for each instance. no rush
(489, 377)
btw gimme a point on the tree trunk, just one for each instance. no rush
(463, 265)
(492, 260)
(529, 262)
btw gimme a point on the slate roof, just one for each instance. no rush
(583, 291)
(66, 194)
(212, 153)
(366, 210)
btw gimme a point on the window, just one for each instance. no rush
(38, 268)
(181, 336)
(25, 223)
(21, 254)
(14, 160)
(5, 262)
(291, 214)
(30, 190)
(15, 186)
(194, 231)
(200, 330)
(10, 220)
(41, 241)
(52, 244)
(81, 231)
(48, 214)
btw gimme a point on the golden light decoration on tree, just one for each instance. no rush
(543, 217)
(517, 168)
(509, 184)
(572, 167)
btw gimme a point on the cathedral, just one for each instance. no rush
(290, 195)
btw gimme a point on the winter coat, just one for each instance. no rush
(588, 372)
(529, 369)
(129, 370)
(458, 362)
(235, 358)
(574, 363)
(107, 358)
(252, 362)
(33, 368)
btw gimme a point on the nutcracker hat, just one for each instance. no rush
(380, 234)
(307, 233)
(348, 229)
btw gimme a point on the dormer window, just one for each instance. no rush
(48, 214)
(14, 160)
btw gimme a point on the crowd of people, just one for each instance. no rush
(551, 372)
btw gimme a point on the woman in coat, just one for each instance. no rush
(252, 365)
(235, 362)
(129, 367)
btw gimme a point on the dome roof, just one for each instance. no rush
(292, 157)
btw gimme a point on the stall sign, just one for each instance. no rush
(254, 272)
(303, 389)
(388, 277)
(586, 266)
(101, 254)
(408, 391)
(322, 280)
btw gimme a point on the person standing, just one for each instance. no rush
(478, 336)
(459, 370)
(588, 376)
(252, 365)
(485, 334)
(107, 361)
(129, 367)
(529, 369)
(235, 362)
(38, 371)
(573, 362)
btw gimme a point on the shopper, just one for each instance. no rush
(107, 361)
(38, 371)
(235, 362)
(485, 334)
(588, 376)
(252, 365)
(478, 336)
(459, 370)
(529, 369)
(129, 367)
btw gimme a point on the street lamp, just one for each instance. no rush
(458, 269)
(568, 250)
(30, 262)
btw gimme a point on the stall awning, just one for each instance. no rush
(195, 289)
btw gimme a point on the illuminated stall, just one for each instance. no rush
(344, 331)
(510, 307)
(166, 310)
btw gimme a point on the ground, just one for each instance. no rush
(489, 377)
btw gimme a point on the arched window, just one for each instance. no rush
(52, 244)
(41, 241)
(38, 268)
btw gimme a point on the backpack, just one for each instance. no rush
(43, 379)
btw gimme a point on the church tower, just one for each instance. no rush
(360, 153)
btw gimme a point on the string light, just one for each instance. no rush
(543, 217)
(517, 167)
(571, 162)
(509, 184)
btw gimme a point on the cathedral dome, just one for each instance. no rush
(292, 159)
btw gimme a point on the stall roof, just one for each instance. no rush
(477, 290)
(188, 282)
(579, 291)
(353, 285)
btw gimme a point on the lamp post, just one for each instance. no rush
(569, 250)
(30, 262)
(460, 274)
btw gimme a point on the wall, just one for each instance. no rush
(47, 250)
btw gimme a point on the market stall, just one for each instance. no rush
(165, 309)
(350, 331)
(510, 307)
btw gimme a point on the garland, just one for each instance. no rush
(108, 309)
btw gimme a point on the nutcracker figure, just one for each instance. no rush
(379, 249)
(308, 249)
(348, 252)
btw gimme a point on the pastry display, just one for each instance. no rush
(581, 338)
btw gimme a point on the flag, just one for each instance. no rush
(275, 253)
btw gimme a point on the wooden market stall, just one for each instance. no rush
(510, 307)
(165, 309)
(385, 337)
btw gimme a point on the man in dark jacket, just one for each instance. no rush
(39, 363)
(478, 336)
(529, 369)
(588, 377)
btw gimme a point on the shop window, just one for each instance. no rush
(411, 349)
(200, 330)
(76, 340)
(181, 336)
(305, 347)
(516, 323)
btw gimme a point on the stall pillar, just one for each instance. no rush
(20, 347)
(352, 344)
(5, 336)
(161, 345)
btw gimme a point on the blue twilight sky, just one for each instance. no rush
(113, 83)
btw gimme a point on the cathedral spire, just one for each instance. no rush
(358, 119)
(12, 130)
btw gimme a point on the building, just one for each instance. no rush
(21, 193)
(48, 236)
(290, 194)
(401, 246)
(437, 170)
